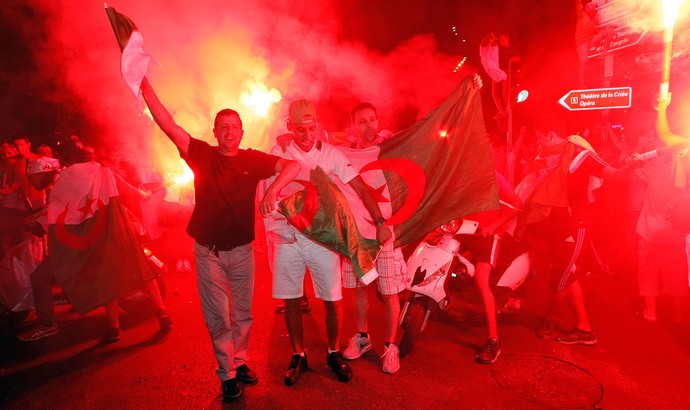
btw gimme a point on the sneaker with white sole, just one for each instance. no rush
(490, 352)
(391, 359)
(39, 333)
(356, 347)
(578, 336)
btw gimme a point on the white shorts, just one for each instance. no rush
(391, 268)
(291, 263)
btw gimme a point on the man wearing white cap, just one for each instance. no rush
(295, 252)
(41, 173)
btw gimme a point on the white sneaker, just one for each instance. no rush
(356, 347)
(39, 333)
(391, 359)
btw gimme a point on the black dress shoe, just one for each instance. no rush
(298, 364)
(246, 375)
(164, 320)
(231, 390)
(337, 362)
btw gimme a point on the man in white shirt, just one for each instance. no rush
(295, 252)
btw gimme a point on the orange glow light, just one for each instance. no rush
(259, 98)
(186, 177)
(442, 133)
(147, 112)
(670, 11)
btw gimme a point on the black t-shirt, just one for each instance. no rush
(224, 189)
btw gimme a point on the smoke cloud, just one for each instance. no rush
(216, 54)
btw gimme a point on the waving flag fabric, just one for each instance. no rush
(134, 61)
(376, 181)
(322, 213)
(438, 170)
(94, 250)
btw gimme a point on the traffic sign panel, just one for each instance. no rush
(619, 38)
(597, 99)
(617, 10)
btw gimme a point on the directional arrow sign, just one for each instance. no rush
(620, 38)
(597, 99)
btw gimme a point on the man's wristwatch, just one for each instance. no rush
(379, 221)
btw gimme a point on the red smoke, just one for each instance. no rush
(211, 52)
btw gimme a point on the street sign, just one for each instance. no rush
(616, 10)
(597, 99)
(619, 38)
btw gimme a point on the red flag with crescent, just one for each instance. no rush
(438, 170)
(94, 249)
(322, 212)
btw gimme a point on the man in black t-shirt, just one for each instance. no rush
(222, 224)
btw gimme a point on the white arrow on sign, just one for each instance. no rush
(597, 99)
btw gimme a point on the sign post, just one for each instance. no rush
(613, 17)
(597, 99)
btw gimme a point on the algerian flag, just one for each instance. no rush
(134, 62)
(378, 188)
(322, 213)
(438, 170)
(94, 250)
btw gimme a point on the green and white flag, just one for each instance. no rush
(438, 170)
(134, 62)
(94, 249)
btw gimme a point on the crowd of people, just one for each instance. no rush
(39, 196)
(548, 203)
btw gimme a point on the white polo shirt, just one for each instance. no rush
(333, 162)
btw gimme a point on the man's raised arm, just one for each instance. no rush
(165, 121)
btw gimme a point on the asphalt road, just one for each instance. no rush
(634, 365)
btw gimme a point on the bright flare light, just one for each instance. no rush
(443, 133)
(187, 176)
(669, 9)
(147, 112)
(259, 98)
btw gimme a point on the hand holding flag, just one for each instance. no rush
(438, 170)
(134, 62)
